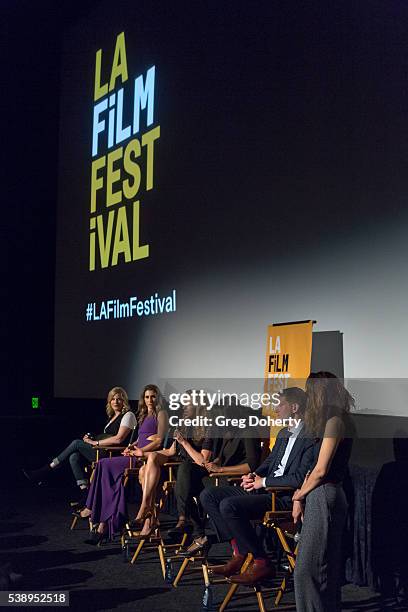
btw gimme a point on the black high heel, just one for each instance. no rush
(153, 529)
(137, 524)
(96, 538)
(40, 476)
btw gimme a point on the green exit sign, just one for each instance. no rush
(35, 402)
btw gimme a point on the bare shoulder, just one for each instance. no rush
(162, 416)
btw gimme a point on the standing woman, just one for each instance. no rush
(106, 502)
(321, 501)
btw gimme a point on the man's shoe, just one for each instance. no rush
(228, 569)
(256, 573)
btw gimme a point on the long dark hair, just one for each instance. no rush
(325, 393)
(142, 408)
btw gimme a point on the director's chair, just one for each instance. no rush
(189, 562)
(154, 541)
(282, 524)
(112, 451)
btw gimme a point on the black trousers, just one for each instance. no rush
(231, 510)
(191, 479)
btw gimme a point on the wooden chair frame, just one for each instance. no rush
(272, 519)
(189, 562)
(111, 450)
(154, 541)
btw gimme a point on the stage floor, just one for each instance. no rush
(35, 538)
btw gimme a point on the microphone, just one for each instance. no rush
(132, 436)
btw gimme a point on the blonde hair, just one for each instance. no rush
(325, 394)
(117, 391)
(142, 408)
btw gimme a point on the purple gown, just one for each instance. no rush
(106, 497)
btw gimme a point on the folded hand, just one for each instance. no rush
(251, 482)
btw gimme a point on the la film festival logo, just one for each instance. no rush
(122, 159)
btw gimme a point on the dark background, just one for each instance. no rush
(362, 48)
(361, 43)
(31, 40)
(373, 145)
(280, 183)
(31, 53)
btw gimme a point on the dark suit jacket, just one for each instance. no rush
(301, 459)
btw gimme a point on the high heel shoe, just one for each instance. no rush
(137, 523)
(40, 476)
(200, 546)
(97, 538)
(152, 529)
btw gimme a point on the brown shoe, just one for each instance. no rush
(229, 569)
(254, 574)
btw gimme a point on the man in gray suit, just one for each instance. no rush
(232, 509)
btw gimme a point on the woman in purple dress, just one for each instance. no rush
(106, 503)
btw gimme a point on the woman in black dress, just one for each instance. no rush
(321, 502)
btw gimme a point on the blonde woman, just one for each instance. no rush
(117, 431)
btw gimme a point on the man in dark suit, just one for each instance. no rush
(232, 509)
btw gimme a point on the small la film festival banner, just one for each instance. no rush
(288, 359)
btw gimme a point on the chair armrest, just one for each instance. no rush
(277, 517)
(227, 474)
(108, 449)
(274, 490)
(279, 489)
(135, 463)
(231, 477)
(170, 465)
